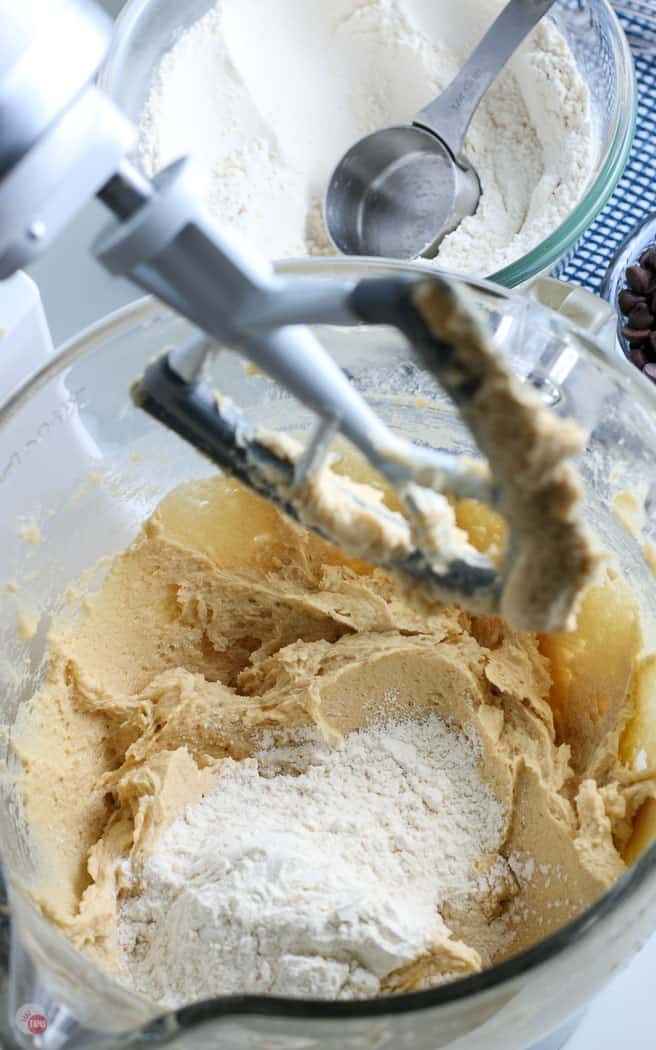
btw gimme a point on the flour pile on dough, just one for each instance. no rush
(223, 629)
(317, 868)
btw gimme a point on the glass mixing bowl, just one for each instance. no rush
(85, 467)
(146, 29)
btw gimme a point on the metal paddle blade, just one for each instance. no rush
(217, 428)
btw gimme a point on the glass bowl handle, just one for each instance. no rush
(584, 309)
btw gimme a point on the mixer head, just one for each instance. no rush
(61, 139)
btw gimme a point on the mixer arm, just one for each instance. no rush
(170, 248)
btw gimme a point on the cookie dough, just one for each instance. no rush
(223, 621)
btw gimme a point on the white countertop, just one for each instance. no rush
(623, 1015)
(76, 292)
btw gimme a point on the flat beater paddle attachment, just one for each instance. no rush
(166, 243)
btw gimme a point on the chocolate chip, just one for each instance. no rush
(628, 301)
(648, 259)
(638, 279)
(635, 336)
(638, 358)
(641, 317)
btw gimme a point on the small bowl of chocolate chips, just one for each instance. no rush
(630, 285)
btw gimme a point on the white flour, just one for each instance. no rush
(268, 94)
(312, 871)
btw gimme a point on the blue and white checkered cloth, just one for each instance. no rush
(635, 197)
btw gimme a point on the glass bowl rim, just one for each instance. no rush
(558, 243)
(147, 309)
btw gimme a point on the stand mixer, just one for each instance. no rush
(167, 246)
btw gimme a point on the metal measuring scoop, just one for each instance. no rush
(399, 191)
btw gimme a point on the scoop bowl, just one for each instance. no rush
(401, 170)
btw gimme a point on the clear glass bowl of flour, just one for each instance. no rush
(81, 469)
(147, 29)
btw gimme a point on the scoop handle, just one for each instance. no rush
(450, 114)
